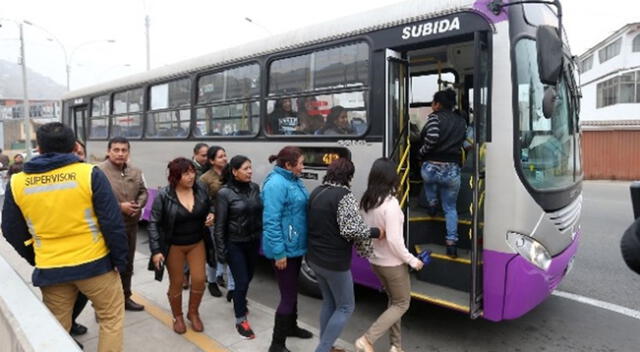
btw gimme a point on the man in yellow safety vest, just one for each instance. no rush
(61, 215)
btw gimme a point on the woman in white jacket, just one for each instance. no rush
(391, 258)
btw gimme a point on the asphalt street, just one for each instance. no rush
(558, 324)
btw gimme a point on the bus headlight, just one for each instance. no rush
(530, 249)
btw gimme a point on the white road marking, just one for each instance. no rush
(600, 304)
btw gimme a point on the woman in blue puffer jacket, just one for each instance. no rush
(284, 238)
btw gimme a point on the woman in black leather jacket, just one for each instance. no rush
(237, 232)
(177, 231)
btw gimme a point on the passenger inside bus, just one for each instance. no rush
(337, 122)
(283, 120)
(310, 117)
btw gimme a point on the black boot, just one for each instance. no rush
(295, 331)
(280, 333)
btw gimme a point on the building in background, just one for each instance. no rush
(44, 101)
(610, 106)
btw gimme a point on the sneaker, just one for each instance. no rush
(220, 281)
(452, 251)
(229, 295)
(395, 349)
(214, 290)
(244, 329)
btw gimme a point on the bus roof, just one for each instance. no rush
(372, 20)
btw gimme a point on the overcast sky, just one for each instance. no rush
(187, 28)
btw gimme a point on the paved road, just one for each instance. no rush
(559, 324)
(599, 271)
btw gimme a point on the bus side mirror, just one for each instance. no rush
(549, 102)
(550, 55)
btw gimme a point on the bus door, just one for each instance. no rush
(411, 81)
(481, 135)
(396, 146)
(79, 117)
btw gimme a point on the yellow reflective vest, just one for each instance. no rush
(58, 209)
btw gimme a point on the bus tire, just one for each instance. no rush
(307, 281)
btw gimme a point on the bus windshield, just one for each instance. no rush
(546, 145)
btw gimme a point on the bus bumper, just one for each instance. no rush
(513, 286)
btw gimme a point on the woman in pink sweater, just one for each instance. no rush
(381, 209)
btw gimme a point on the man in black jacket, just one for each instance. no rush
(61, 216)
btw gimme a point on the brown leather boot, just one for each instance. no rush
(176, 309)
(194, 317)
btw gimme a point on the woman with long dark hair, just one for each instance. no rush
(212, 180)
(390, 257)
(441, 152)
(337, 122)
(284, 239)
(336, 225)
(237, 233)
(179, 218)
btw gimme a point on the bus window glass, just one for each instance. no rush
(423, 87)
(240, 119)
(120, 103)
(546, 145)
(243, 82)
(100, 106)
(340, 67)
(171, 95)
(99, 122)
(129, 126)
(134, 100)
(325, 114)
(290, 75)
(210, 88)
(127, 120)
(98, 127)
(168, 124)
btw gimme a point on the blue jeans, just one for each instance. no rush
(338, 303)
(213, 273)
(242, 257)
(443, 180)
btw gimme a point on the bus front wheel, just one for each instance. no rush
(307, 280)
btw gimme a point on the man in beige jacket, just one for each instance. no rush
(129, 188)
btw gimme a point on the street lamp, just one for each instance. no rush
(257, 24)
(25, 91)
(68, 59)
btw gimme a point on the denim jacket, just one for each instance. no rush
(284, 216)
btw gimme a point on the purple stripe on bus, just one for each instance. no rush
(510, 293)
(362, 273)
(481, 6)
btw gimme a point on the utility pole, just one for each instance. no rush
(25, 104)
(147, 23)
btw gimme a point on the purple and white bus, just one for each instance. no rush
(520, 200)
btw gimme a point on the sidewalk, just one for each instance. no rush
(151, 330)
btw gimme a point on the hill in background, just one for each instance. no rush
(40, 87)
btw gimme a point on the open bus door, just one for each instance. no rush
(455, 283)
(480, 122)
(397, 103)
